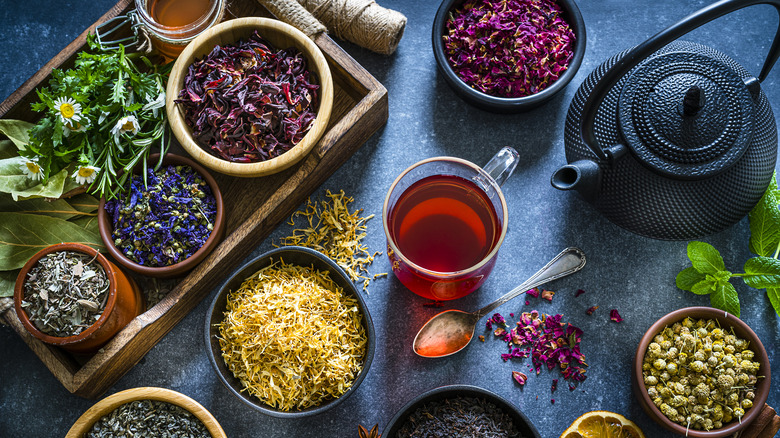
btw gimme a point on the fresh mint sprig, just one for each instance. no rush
(708, 274)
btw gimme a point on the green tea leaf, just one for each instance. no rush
(774, 297)
(688, 277)
(761, 272)
(7, 282)
(705, 258)
(765, 223)
(704, 287)
(22, 235)
(16, 131)
(725, 297)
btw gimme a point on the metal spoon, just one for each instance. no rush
(450, 331)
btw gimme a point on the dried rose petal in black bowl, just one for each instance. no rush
(249, 101)
(510, 58)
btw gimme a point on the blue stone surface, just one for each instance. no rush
(626, 272)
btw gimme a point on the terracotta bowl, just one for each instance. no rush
(523, 424)
(495, 104)
(726, 320)
(124, 303)
(292, 255)
(281, 35)
(110, 403)
(177, 269)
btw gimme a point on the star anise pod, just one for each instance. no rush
(365, 433)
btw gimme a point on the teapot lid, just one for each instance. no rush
(686, 115)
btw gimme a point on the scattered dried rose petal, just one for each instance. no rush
(552, 400)
(519, 377)
(481, 338)
(578, 293)
(527, 303)
(591, 310)
(533, 292)
(615, 316)
(547, 294)
(554, 385)
(572, 387)
(499, 331)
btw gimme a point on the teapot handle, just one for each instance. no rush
(652, 45)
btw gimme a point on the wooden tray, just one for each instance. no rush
(253, 207)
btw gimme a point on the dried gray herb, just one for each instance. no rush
(458, 416)
(65, 293)
(149, 418)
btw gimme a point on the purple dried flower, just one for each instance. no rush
(615, 316)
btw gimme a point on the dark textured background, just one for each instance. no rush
(632, 274)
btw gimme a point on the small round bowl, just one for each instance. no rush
(523, 424)
(125, 302)
(300, 256)
(110, 403)
(726, 320)
(505, 105)
(177, 269)
(281, 35)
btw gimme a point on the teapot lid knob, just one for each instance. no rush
(687, 114)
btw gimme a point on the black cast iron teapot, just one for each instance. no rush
(672, 139)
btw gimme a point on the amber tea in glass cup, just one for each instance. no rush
(445, 219)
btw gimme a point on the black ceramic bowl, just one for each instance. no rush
(495, 104)
(291, 255)
(519, 419)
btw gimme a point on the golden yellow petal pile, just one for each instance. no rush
(293, 337)
(337, 233)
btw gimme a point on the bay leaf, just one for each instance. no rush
(14, 181)
(7, 149)
(22, 235)
(16, 131)
(79, 205)
(7, 282)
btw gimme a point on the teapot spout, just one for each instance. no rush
(583, 176)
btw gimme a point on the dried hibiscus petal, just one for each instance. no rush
(508, 48)
(249, 101)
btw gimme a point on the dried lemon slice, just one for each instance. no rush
(602, 424)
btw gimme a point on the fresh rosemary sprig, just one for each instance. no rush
(99, 119)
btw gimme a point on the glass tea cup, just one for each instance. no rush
(445, 219)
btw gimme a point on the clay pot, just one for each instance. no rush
(184, 266)
(124, 303)
(726, 321)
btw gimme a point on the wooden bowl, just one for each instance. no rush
(108, 404)
(106, 229)
(125, 302)
(281, 35)
(302, 257)
(523, 424)
(506, 105)
(726, 320)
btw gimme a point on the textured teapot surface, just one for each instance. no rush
(674, 184)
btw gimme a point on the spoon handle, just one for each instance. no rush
(569, 261)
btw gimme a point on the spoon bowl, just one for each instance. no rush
(450, 331)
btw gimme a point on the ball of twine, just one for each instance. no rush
(296, 15)
(362, 22)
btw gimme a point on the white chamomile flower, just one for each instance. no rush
(155, 104)
(32, 169)
(68, 110)
(69, 127)
(125, 125)
(86, 174)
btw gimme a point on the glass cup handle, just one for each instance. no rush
(501, 166)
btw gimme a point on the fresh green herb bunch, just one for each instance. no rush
(708, 275)
(99, 118)
(700, 375)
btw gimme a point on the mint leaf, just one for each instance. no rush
(765, 223)
(774, 297)
(704, 287)
(762, 272)
(705, 258)
(688, 277)
(725, 297)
